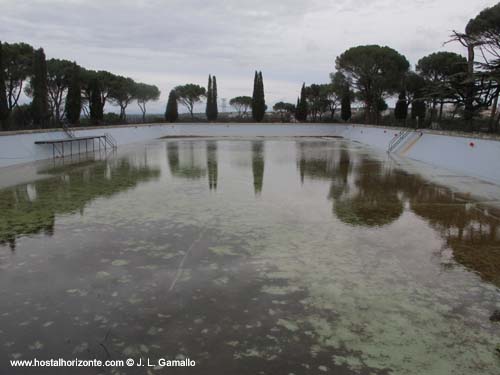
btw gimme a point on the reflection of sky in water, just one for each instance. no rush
(304, 256)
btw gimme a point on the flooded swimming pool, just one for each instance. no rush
(248, 256)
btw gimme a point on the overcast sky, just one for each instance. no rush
(173, 42)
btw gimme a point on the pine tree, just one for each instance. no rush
(401, 110)
(208, 110)
(171, 113)
(96, 106)
(345, 106)
(73, 104)
(4, 109)
(258, 98)
(40, 103)
(302, 107)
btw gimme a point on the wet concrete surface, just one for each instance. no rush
(292, 256)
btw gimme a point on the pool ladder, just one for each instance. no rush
(70, 133)
(398, 139)
(110, 140)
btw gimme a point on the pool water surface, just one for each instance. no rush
(248, 256)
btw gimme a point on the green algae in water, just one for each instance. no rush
(300, 259)
(64, 194)
(222, 250)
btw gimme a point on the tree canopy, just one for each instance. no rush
(212, 110)
(73, 104)
(285, 110)
(401, 110)
(145, 93)
(122, 91)
(40, 105)
(4, 108)
(171, 112)
(59, 74)
(258, 100)
(485, 30)
(18, 66)
(443, 73)
(241, 104)
(373, 72)
(301, 109)
(96, 105)
(190, 94)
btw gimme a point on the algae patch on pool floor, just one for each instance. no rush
(293, 256)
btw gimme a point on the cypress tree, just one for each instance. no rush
(215, 109)
(297, 109)
(418, 109)
(40, 103)
(208, 110)
(254, 95)
(302, 107)
(258, 98)
(345, 106)
(263, 105)
(73, 104)
(96, 106)
(4, 109)
(401, 110)
(212, 110)
(172, 114)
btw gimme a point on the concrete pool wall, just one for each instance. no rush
(470, 156)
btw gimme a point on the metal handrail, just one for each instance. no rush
(70, 133)
(110, 140)
(398, 139)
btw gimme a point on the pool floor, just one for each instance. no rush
(248, 256)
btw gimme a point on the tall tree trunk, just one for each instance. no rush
(433, 111)
(469, 91)
(491, 123)
(441, 111)
(497, 123)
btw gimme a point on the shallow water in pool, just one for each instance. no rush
(249, 256)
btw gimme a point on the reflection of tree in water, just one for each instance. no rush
(212, 164)
(258, 165)
(471, 232)
(366, 194)
(372, 201)
(182, 160)
(25, 214)
(315, 161)
(358, 189)
(339, 184)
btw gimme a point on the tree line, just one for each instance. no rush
(190, 94)
(443, 87)
(61, 90)
(468, 87)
